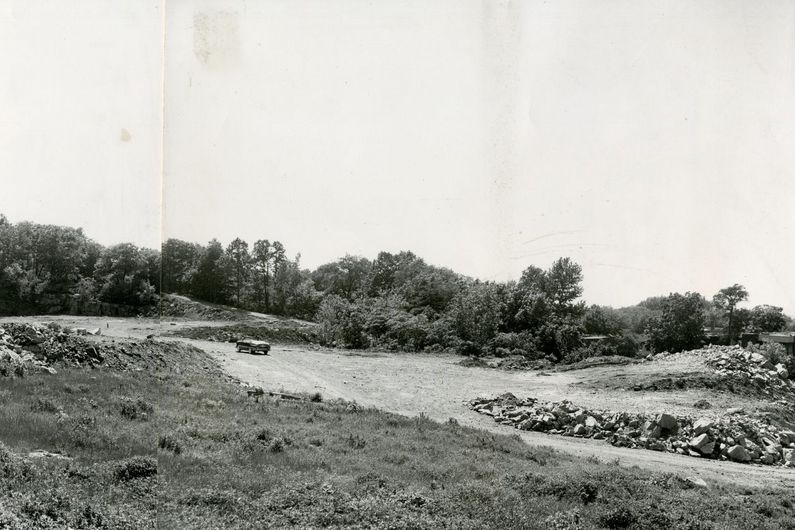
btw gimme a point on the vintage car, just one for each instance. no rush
(253, 346)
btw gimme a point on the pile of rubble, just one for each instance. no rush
(279, 331)
(32, 348)
(178, 306)
(742, 368)
(37, 347)
(735, 438)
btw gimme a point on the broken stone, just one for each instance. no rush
(699, 441)
(702, 426)
(738, 453)
(667, 422)
(696, 482)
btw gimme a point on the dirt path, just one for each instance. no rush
(437, 386)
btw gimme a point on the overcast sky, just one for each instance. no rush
(653, 142)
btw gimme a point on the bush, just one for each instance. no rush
(775, 353)
(135, 468)
(355, 441)
(625, 345)
(169, 443)
(11, 465)
(138, 409)
(618, 518)
(45, 405)
(523, 343)
(276, 445)
(264, 435)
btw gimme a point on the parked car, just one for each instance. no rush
(253, 346)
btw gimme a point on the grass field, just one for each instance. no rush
(189, 449)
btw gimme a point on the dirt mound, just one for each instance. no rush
(510, 363)
(181, 307)
(284, 331)
(43, 348)
(737, 438)
(734, 369)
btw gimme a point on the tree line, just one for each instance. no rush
(396, 301)
(41, 264)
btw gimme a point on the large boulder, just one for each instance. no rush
(738, 453)
(667, 422)
(702, 425)
(700, 441)
(591, 422)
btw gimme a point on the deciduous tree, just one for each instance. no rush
(727, 299)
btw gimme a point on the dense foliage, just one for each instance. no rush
(46, 265)
(396, 301)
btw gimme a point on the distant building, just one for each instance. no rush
(785, 338)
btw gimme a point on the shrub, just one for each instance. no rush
(625, 345)
(775, 353)
(264, 435)
(618, 518)
(45, 405)
(138, 409)
(11, 465)
(276, 445)
(317, 397)
(356, 442)
(564, 521)
(169, 443)
(135, 468)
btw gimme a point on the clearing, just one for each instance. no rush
(439, 387)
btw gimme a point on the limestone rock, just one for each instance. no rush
(738, 453)
(667, 422)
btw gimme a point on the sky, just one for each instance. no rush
(652, 142)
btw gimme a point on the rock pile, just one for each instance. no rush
(739, 439)
(736, 362)
(178, 306)
(21, 347)
(729, 368)
(280, 331)
(36, 348)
